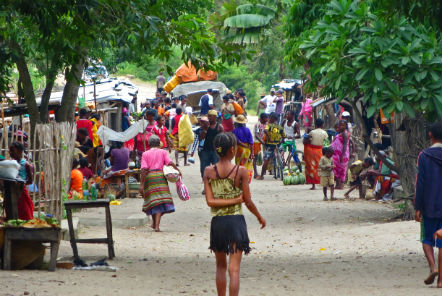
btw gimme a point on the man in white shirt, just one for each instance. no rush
(267, 102)
(206, 102)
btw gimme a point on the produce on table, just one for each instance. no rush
(34, 223)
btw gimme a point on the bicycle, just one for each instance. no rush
(278, 163)
(293, 154)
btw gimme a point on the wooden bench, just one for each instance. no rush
(45, 235)
(79, 204)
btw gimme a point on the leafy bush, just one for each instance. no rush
(235, 77)
(127, 68)
(147, 67)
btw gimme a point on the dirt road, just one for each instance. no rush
(310, 247)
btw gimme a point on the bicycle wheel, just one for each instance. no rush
(298, 160)
(275, 169)
(288, 161)
(280, 165)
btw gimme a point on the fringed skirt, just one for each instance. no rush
(157, 198)
(228, 234)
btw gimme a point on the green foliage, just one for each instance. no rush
(242, 24)
(144, 67)
(303, 15)
(235, 77)
(392, 63)
(426, 12)
(58, 36)
(261, 51)
(127, 68)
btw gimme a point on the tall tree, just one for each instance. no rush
(376, 62)
(61, 34)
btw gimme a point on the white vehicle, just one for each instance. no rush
(96, 72)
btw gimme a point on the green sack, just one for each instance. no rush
(81, 103)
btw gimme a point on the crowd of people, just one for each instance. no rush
(222, 135)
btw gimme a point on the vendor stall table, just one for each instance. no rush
(79, 204)
(45, 235)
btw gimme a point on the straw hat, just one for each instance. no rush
(213, 112)
(240, 119)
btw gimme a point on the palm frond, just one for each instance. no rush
(246, 21)
(255, 9)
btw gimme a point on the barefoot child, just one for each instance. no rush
(357, 176)
(326, 173)
(226, 187)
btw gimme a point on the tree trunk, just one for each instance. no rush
(408, 138)
(331, 116)
(50, 81)
(26, 84)
(357, 137)
(70, 92)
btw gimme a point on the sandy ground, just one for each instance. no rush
(310, 247)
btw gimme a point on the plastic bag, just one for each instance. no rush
(171, 174)
(181, 190)
(187, 73)
(206, 75)
(193, 119)
(185, 133)
(9, 169)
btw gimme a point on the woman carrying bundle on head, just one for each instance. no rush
(227, 187)
(154, 187)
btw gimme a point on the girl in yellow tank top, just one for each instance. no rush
(226, 187)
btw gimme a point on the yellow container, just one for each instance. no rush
(172, 83)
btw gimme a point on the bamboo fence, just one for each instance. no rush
(51, 153)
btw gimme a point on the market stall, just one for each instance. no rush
(47, 152)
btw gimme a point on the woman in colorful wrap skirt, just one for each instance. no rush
(313, 153)
(341, 155)
(306, 112)
(227, 187)
(154, 187)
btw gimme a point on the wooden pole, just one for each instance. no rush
(95, 95)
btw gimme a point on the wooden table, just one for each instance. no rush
(80, 204)
(50, 235)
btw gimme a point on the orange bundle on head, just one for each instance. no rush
(238, 109)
